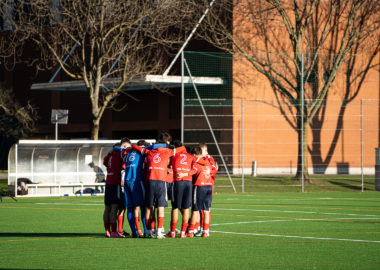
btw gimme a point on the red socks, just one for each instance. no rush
(152, 224)
(184, 227)
(137, 222)
(206, 226)
(173, 226)
(202, 217)
(120, 220)
(196, 225)
(160, 222)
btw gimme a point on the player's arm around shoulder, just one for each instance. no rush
(142, 151)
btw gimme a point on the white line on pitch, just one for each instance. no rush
(255, 221)
(301, 237)
(230, 209)
(72, 203)
(299, 199)
(297, 219)
(289, 211)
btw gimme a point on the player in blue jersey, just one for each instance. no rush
(134, 189)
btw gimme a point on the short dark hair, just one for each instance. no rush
(125, 139)
(164, 137)
(143, 143)
(196, 151)
(177, 143)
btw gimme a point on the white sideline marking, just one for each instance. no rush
(300, 199)
(255, 221)
(231, 209)
(73, 203)
(296, 219)
(291, 211)
(301, 237)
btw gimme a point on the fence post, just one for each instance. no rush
(361, 142)
(242, 145)
(302, 127)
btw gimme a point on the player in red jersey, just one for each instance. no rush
(202, 195)
(182, 163)
(206, 155)
(112, 196)
(157, 170)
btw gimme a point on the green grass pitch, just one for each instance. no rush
(249, 231)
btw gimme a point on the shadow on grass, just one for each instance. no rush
(345, 185)
(55, 235)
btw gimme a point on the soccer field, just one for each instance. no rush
(248, 231)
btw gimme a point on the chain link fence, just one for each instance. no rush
(252, 130)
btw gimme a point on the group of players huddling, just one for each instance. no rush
(148, 174)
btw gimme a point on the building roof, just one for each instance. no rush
(140, 83)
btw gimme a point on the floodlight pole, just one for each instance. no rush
(125, 47)
(182, 98)
(302, 127)
(188, 38)
(209, 125)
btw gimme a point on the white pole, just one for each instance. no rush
(56, 127)
(32, 163)
(361, 141)
(242, 145)
(188, 39)
(302, 127)
(55, 166)
(182, 99)
(16, 168)
(209, 126)
(78, 164)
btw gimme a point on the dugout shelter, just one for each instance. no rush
(58, 167)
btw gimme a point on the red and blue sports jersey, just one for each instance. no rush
(157, 162)
(113, 161)
(182, 162)
(203, 172)
(133, 167)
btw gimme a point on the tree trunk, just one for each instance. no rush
(94, 129)
(302, 150)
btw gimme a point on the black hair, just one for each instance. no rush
(196, 151)
(125, 139)
(143, 143)
(164, 137)
(177, 143)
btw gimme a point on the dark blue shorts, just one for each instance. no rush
(156, 194)
(170, 191)
(202, 198)
(134, 194)
(183, 191)
(112, 195)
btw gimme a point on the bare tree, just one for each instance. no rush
(16, 120)
(299, 46)
(98, 39)
(12, 36)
